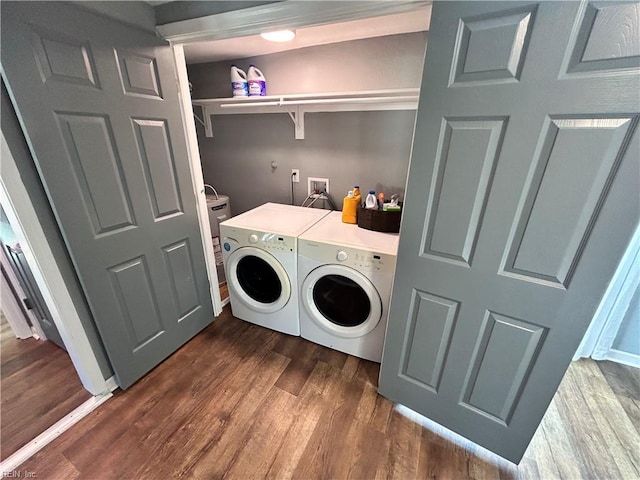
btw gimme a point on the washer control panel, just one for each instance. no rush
(271, 242)
(361, 260)
(372, 262)
(276, 243)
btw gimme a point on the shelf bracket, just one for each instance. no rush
(298, 121)
(201, 122)
(205, 121)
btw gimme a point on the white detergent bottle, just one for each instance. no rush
(371, 202)
(257, 82)
(239, 85)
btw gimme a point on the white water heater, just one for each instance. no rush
(219, 210)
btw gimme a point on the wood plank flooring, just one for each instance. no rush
(625, 383)
(243, 402)
(39, 385)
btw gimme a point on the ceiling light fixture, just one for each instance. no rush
(279, 36)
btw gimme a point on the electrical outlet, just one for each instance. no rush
(317, 184)
(295, 175)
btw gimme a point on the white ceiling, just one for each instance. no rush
(243, 47)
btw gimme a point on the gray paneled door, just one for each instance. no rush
(99, 104)
(522, 196)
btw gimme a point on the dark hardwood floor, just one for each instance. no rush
(38, 386)
(243, 402)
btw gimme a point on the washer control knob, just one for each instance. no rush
(342, 256)
(253, 238)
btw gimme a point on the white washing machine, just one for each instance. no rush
(259, 249)
(346, 276)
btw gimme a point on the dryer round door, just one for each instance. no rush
(341, 300)
(258, 279)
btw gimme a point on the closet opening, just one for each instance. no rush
(339, 106)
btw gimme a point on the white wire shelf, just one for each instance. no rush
(297, 105)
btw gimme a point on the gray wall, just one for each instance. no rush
(178, 11)
(134, 13)
(20, 151)
(628, 338)
(371, 149)
(393, 61)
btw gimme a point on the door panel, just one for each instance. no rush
(100, 107)
(63, 59)
(584, 151)
(137, 302)
(138, 74)
(491, 48)
(430, 328)
(466, 163)
(608, 39)
(182, 274)
(523, 192)
(97, 169)
(159, 166)
(492, 384)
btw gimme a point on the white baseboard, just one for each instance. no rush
(8, 468)
(111, 383)
(626, 358)
(226, 301)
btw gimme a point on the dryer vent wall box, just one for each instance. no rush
(315, 185)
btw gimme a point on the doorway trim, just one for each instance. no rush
(603, 330)
(11, 308)
(197, 178)
(18, 321)
(23, 218)
(254, 20)
(238, 23)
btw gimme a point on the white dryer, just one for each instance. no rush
(346, 277)
(259, 249)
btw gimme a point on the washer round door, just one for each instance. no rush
(341, 300)
(258, 279)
